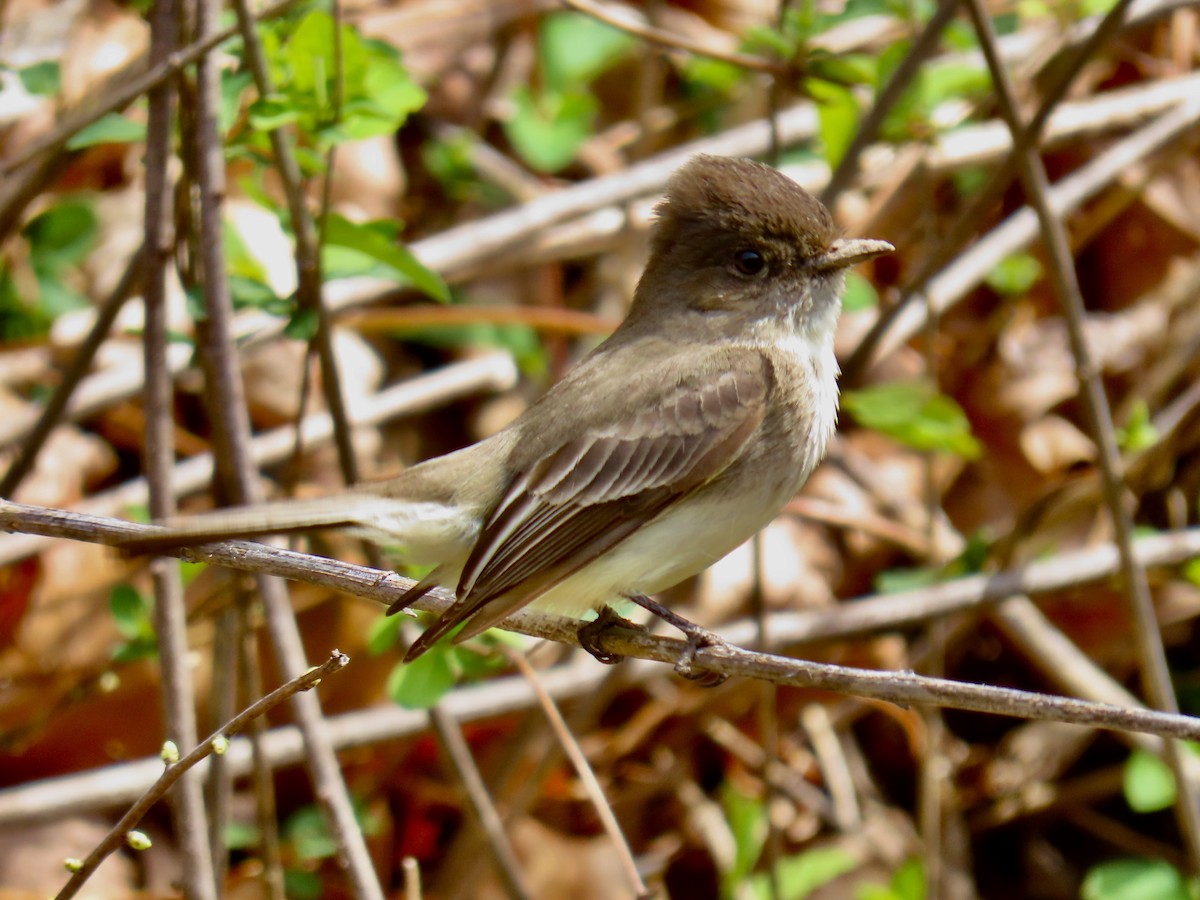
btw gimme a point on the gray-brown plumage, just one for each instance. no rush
(673, 442)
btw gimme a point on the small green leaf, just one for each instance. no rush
(61, 236)
(303, 325)
(306, 831)
(747, 818)
(241, 835)
(909, 881)
(1135, 879)
(1147, 782)
(275, 111)
(1015, 275)
(800, 875)
(367, 238)
(575, 49)
(713, 74)
(130, 612)
(860, 294)
(837, 116)
(110, 129)
(384, 634)
(43, 79)
(548, 130)
(424, 681)
(519, 340)
(916, 415)
(1139, 432)
(897, 581)
(302, 885)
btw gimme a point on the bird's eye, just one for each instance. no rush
(749, 262)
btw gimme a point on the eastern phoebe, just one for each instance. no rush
(671, 443)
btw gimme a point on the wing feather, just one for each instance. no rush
(579, 500)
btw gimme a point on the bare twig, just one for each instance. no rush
(924, 45)
(895, 687)
(1155, 673)
(170, 614)
(235, 469)
(570, 746)
(450, 736)
(214, 743)
(674, 41)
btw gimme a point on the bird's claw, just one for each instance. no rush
(685, 666)
(591, 634)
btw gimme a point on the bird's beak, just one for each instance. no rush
(850, 251)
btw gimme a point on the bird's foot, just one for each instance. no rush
(697, 637)
(590, 634)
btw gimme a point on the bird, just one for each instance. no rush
(673, 442)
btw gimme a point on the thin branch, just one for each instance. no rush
(924, 45)
(451, 738)
(971, 266)
(1061, 79)
(570, 746)
(1156, 674)
(673, 41)
(237, 476)
(174, 771)
(170, 614)
(895, 687)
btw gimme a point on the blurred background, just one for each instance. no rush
(466, 186)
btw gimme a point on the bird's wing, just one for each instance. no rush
(585, 496)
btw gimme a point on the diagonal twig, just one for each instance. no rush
(215, 742)
(1156, 675)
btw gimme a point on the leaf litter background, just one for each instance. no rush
(963, 446)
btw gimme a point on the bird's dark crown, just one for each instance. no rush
(741, 197)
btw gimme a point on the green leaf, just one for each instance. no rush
(747, 818)
(800, 875)
(61, 236)
(1191, 571)
(1135, 879)
(110, 129)
(303, 325)
(241, 835)
(306, 831)
(548, 130)
(1148, 783)
(234, 85)
(710, 74)
(43, 79)
(837, 117)
(519, 340)
(909, 881)
(916, 415)
(384, 634)
(576, 48)
(388, 83)
(860, 293)
(275, 111)
(130, 612)
(368, 238)
(1139, 432)
(1015, 275)
(897, 581)
(301, 885)
(424, 681)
